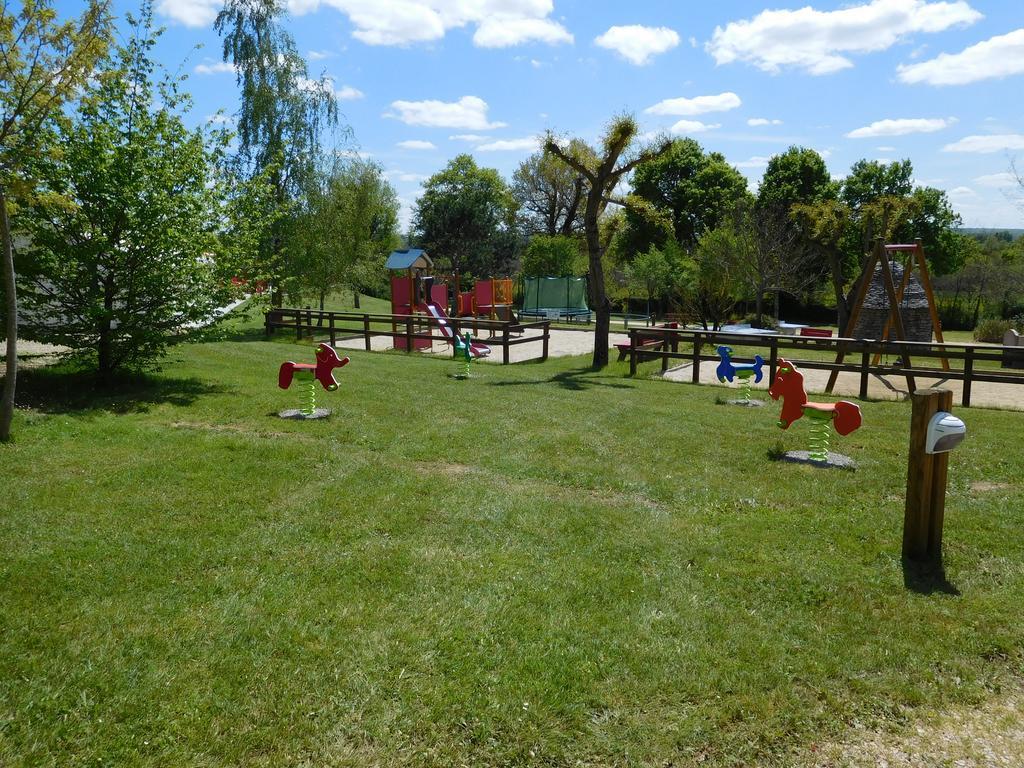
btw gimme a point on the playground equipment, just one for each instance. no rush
(789, 385)
(463, 352)
(323, 371)
(490, 298)
(410, 291)
(881, 310)
(555, 297)
(728, 371)
(474, 350)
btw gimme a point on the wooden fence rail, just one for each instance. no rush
(639, 348)
(309, 323)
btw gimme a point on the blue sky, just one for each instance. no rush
(938, 82)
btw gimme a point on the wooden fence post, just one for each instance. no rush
(968, 375)
(408, 334)
(696, 359)
(865, 360)
(334, 338)
(547, 335)
(926, 480)
(504, 345)
(632, 353)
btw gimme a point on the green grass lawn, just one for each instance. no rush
(539, 566)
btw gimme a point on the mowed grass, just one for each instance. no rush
(538, 566)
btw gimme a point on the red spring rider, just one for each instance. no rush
(323, 371)
(789, 385)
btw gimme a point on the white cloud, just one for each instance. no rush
(886, 149)
(501, 32)
(754, 162)
(987, 144)
(474, 137)
(220, 119)
(214, 67)
(414, 178)
(962, 192)
(638, 44)
(694, 126)
(416, 144)
(698, 105)
(529, 144)
(996, 180)
(500, 23)
(469, 113)
(348, 93)
(998, 56)
(815, 41)
(900, 127)
(754, 122)
(191, 13)
(319, 55)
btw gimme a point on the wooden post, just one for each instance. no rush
(298, 324)
(926, 480)
(334, 339)
(696, 359)
(408, 334)
(968, 376)
(366, 331)
(773, 360)
(865, 358)
(504, 333)
(632, 353)
(547, 335)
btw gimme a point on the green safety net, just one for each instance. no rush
(568, 294)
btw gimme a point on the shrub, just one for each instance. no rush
(991, 330)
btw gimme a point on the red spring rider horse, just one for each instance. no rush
(323, 371)
(789, 385)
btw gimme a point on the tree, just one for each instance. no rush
(650, 272)
(466, 216)
(123, 226)
(696, 190)
(797, 176)
(705, 279)
(42, 63)
(348, 225)
(550, 194)
(553, 256)
(603, 174)
(769, 254)
(282, 115)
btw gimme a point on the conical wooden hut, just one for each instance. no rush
(917, 321)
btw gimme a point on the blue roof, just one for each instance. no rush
(410, 258)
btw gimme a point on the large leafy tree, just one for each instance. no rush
(282, 116)
(550, 194)
(43, 61)
(603, 172)
(123, 227)
(797, 176)
(695, 189)
(348, 225)
(466, 217)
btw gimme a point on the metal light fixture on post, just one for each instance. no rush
(934, 431)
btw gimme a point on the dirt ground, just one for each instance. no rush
(879, 387)
(988, 736)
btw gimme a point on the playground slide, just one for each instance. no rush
(477, 350)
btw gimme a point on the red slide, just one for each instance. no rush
(439, 315)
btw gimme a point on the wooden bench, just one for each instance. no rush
(649, 341)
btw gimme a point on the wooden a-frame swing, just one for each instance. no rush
(882, 254)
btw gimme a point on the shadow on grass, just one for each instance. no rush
(576, 380)
(927, 578)
(60, 389)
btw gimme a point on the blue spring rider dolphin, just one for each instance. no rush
(728, 371)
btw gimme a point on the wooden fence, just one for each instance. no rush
(790, 348)
(311, 323)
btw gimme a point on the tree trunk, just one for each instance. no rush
(105, 344)
(842, 308)
(598, 296)
(11, 299)
(758, 309)
(355, 298)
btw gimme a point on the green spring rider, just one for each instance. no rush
(463, 354)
